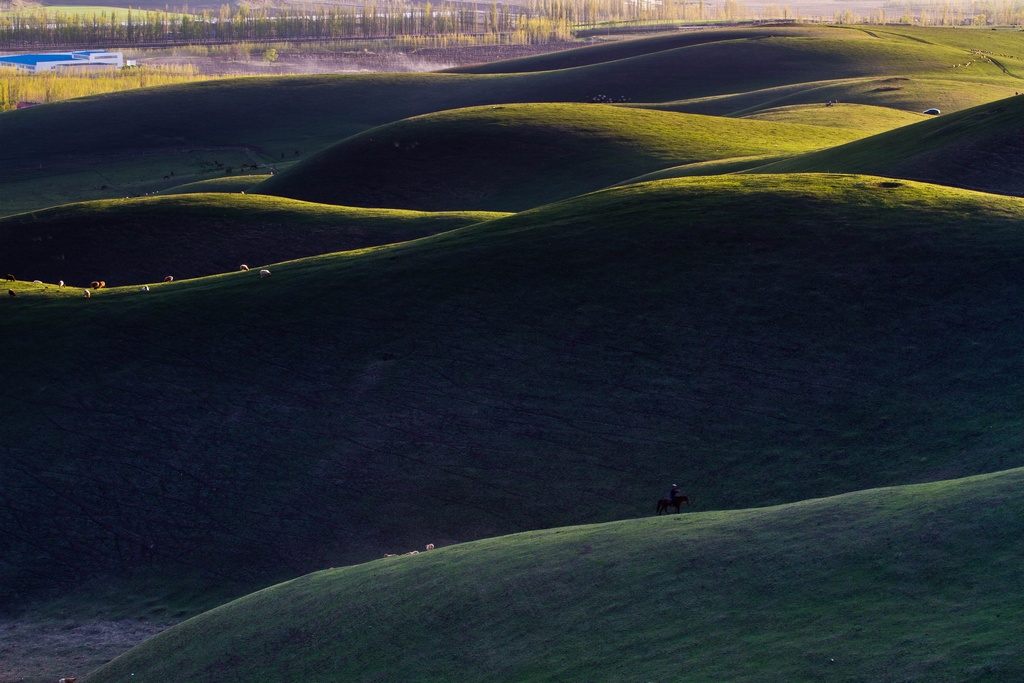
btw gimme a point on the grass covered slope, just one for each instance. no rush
(124, 242)
(273, 118)
(981, 148)
(515, 157)
(910, 583)
(758, 339)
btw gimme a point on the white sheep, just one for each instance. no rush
(169, 278)
(86, 293)
(430, 546)
(144, 288)
(60, 284)
(243, 267)
(264, 273)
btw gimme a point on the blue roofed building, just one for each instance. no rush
(48, 61)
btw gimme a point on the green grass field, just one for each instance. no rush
(719, 282)
(514, 157)
(723, 71)
(909, 583)
(980, 148)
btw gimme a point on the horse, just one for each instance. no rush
(665, 503)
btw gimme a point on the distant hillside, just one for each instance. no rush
(515, 157)
(898, 584)
(981, 148)
(757, 339)
(45, 161)
(126, 242)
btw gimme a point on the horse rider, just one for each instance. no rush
(673, 493)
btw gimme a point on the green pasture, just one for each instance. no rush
(759, 339)
(288, 118)
(514, 157)
(131, 174)
(768, 306)
(867, 119)
(896, 584)
(135, 241)
(979, 148)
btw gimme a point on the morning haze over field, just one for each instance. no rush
(490, 313)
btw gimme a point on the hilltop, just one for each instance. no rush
(910, 583)
(980, 148)
(515, 157)
(142, 240)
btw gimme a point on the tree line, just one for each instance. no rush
(538, 21)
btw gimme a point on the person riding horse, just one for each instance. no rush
(673, 493)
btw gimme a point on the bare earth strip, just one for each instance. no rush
(45, 651)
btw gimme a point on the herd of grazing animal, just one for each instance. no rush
(101, 284)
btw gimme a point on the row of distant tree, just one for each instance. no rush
(372, 19)
(535, 21)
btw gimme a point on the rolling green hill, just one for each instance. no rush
(759, 339)
(980, 148)
(515, 157)
(282, 119)
(896, 584)
(135, 241)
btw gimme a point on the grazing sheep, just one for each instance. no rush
(60, 284)
(390, 555)
(10, 278)
(144, 288)
(430, 546)
(98, 284)
(169, 278)
(87, 293)
(11, 292)
(243, 267)
(413, 552)
(264, 273)
(67, 680)
(37, 282)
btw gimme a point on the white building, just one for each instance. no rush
(48, 61)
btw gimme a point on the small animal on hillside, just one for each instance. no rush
(144, 288)
(10, 278)
(11, 292)
(430, 546)
(169, 278)
(37, 282)
(243, 267)
(67, 680)
(87, 293)
(60, 284)
(264, 273)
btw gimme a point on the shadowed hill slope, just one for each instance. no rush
(273, 118)
(910, 583)
(981, 148)
(515, 157)
(758, 339)
(124, 242)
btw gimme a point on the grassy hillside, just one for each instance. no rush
(282, 119)
(898, 584)
(980, 148)
(758, 339)
(125, 242)
(514, 157)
